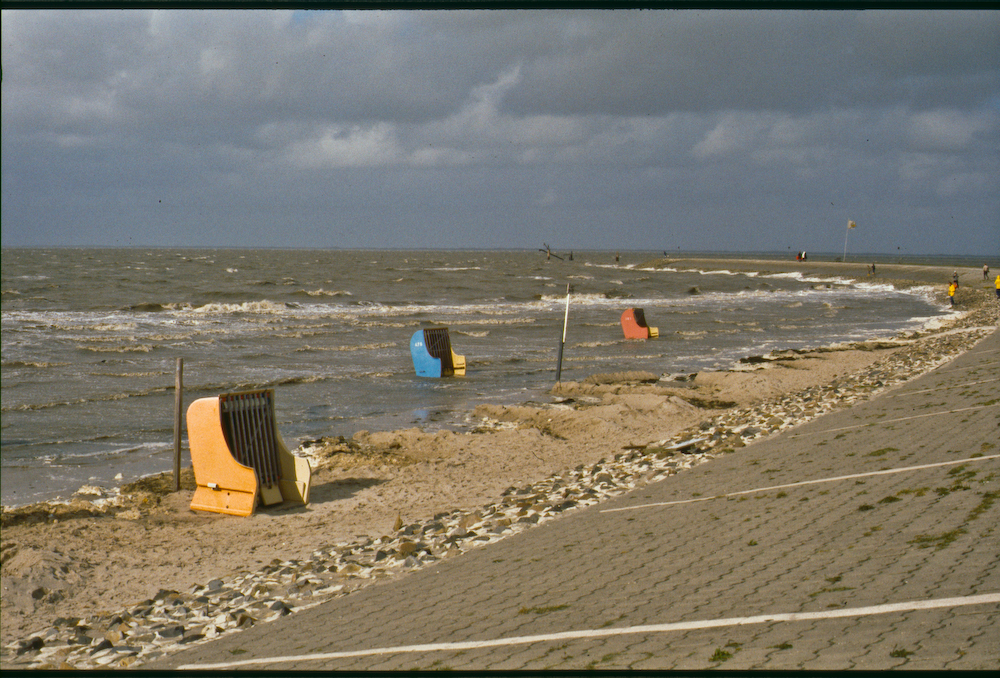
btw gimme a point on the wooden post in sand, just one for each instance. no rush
(178, 411)
(563, 340)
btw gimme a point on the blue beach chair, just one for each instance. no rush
(433, 355)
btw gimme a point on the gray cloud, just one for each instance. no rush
(713, 130)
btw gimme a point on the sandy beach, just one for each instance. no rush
(83, 562)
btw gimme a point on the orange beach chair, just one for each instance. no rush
(239, 457)
(635, 327)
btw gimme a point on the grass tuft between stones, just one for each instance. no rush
(542, 610)
(720, 655)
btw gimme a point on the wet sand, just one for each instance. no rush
(88, 560)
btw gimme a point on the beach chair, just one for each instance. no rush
(239, 457)
(635, 327)
(433, 355)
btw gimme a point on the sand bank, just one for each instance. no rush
(79, 565)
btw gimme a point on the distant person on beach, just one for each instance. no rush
(954, 278)
(952, 288)
(986, 272)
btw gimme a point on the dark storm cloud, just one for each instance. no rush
(488, 128)
(796, 61)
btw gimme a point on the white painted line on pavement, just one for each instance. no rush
(890, 421)
(883, 472)
(940, 388)
(947, 369)
(909, 606)
(985, 350)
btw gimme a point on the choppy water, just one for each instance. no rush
(91, 338)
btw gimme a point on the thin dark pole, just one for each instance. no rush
(562, 342)
(178, 411)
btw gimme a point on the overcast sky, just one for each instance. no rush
(661, 130)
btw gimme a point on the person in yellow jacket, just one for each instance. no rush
(952, 288)
(997, 283)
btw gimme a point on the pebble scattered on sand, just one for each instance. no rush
(172, 619)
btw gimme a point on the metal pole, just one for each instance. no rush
(178, 410)
(563, 340)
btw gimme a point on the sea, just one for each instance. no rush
(91, 339)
